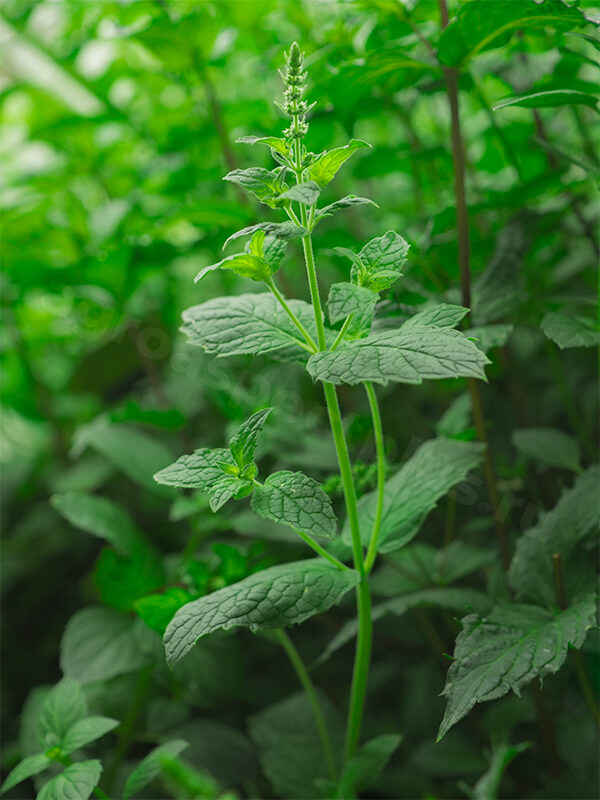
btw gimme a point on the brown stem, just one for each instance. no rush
(559, 581)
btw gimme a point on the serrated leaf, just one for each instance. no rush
(507, 649)
(326, 166)
(244, 443)
(481, 25)
(280, 145)
(248, 324)
(30, 766)
(570, 331)
(548, 445)
(414, 490)
(576, 514)
(407, 355)
(276, 597)
(200, 470)
(157, 610)
(442, 315)
(85, 731)
(243, 264)
(487, 337)
(294, 499)
(151, 766)
(306, 193)
(77, 782)
(264, 184)
(347, 298)
(289, 747)
(100, 517)
(273, 252)
(344, 202)
(63, 707)
(379, 263)
(99, 643)
(366, 765)
(226, 488)
(281, 230)
(550, 99)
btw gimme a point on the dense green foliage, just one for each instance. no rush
(434, 179)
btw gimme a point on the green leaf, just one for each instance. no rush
(407, 355)
(325, 167)
(157, 610)
(380, 262)
(550, 99)
(344, 202)
(279, 596)
(151, 766)
(244, 443)
(85, 731)
(366, 765)
(481, 25)
(507, 649)
(457, 418)
(576, 514)
(32, 765)
(503, 753)
(347, 298)
(280, 145)
(77, 782)
(412, 493)
(200, 470)
(289, 746)
(442, 315)
(548, 445)
(227, 488)
(246, 324)
(264, 184)
(306, 193)
(99, 643)
(122, 580)
(487, 337)
(63, 707)
(100, 517)
(294, 499)
(570, 331)
(281, 230)
(243, 264)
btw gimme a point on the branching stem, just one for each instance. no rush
(312, 346)
(342, 332)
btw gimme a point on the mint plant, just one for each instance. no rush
(348, 349)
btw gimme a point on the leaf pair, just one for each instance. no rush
(379, 264)
(260, 262)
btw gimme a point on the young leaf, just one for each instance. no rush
(157, 610)
(264, 184)
(200, 470)
(570, 331)
(279, 596)
(365, 765)
(246, 324)
(382, 260)
(243, 264)
(509, 648)
(294, 499)
(100, 517)
(325, 167)
(85, 731)
(407, 355)
(99, 643)
(30, 766)
(306, 193)
(344, 202)
(414, 490)
(280, 145)
(227, 488)
(548, 445)
(442, 315)
(347, 298)
(559, 531)
(77, 782)
(63, 707)
(150, 767)
(281, 230)
(243, 445)
(550, 99)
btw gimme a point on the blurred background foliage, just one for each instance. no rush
(119, 121)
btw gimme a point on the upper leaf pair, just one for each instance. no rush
(262, 259)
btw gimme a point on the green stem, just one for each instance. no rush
(380, 451)
(308, 686)
(282, 301)
(361, 668)
(340, 337)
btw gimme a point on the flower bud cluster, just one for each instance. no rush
(294, 78)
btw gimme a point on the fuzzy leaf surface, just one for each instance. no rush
(76, 782)
(306, 193)
(281, 230)
(244, 443)
(347, 298)
(379, 263)
(151, 766)
(200, 470)
(244, 264)
(404, 355)
(326, 166)
(276, 597)
(443, 315)
(247, 324)
(414, 490)
(295, 499)
(264, 184)
(507, 649)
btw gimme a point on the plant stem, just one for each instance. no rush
(282, 301)
(360, 673)
(342, 332)
(308, 686)
(320, 550)
(380, 451)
